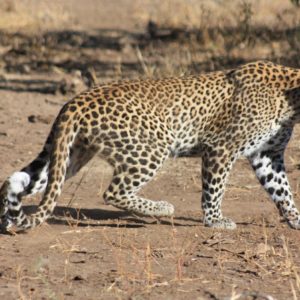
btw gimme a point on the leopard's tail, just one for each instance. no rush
(64, 132)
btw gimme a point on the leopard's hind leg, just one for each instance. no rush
(132, 171)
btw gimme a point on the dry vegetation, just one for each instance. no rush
(90, 251)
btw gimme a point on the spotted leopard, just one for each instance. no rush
(137, 125)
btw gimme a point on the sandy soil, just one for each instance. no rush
(92, 251)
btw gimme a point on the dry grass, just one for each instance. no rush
(139, 266)
(204, 14)
(18, 15)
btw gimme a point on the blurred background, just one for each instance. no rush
(78, 43)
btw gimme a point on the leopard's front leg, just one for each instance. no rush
(216, 165)
(270, 170)
(268, 164)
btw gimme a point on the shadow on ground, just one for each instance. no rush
(92, 217)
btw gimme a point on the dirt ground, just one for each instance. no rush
(51, 50)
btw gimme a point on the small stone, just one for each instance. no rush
(77, 278)
(32, 119)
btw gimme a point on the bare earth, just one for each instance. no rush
(92, 251)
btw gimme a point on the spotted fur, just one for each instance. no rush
(137, 125)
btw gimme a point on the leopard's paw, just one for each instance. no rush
(163, 209)
(222, 223)
(295, 224)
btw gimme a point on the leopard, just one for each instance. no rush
(135, 125)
